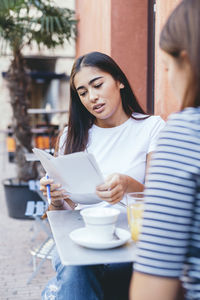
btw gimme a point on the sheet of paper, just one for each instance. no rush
(78, 173)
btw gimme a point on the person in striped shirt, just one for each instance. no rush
(168, 250)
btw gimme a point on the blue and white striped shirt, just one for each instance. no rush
(169, 243)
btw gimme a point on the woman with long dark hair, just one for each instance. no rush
(106, 120)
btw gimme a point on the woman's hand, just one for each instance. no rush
(113, 189)
(58, 196)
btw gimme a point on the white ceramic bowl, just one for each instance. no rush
(100, 215)
(100, 222)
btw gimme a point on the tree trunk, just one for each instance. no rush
(19, 88)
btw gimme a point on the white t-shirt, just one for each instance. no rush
(123, 149)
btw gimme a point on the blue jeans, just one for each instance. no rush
(92, 282)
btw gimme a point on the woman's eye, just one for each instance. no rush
(98, 85)
(82, 94)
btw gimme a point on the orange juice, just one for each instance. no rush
(134, 214)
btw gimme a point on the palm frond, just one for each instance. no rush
(25, 21)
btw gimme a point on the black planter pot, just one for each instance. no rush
(17, 194)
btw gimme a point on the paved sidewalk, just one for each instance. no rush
(15, 242)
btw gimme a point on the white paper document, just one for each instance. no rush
(78, 173)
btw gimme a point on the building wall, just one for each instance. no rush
(165, 101)
(129, 42)
(117, 28)
(94, 27)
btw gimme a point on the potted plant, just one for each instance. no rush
(27, 23)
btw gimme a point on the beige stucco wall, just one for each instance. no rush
(165, 101)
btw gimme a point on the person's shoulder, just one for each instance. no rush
(189, 114)
(62, 140)
(184, 127)
(187, 119)
(155, 119)
(63, 133)
(149, 120)
(146, 117)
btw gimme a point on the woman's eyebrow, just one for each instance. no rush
(90, 82)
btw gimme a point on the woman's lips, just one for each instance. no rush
(98, 108)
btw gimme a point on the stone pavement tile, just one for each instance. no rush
(15, 243)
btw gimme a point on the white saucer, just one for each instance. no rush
(80, 237)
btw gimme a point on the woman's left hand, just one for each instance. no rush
(113, 189)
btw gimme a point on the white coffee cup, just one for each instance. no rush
(100, 222)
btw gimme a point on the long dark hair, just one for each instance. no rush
(182, 32)
(80, 119)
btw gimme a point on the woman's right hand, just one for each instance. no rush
(58, 195)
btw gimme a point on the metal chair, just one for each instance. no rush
(44, 252)
(35, 210)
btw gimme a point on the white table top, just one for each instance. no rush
(63, 222)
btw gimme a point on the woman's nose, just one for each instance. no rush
(92, 95)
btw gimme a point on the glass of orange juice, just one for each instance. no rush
(135, 206)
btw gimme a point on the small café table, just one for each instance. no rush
(63, 222)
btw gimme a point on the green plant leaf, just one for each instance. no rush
(58, 23)
(52, 27)
(51, 24)
(47, 24)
